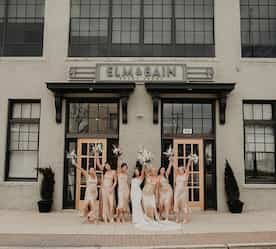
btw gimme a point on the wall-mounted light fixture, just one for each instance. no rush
(140, 115)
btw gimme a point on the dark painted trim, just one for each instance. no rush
(210, 138)
(120, 88)
(175, 87)
(214, 175)
(7, 154)
(74, 137)
(211, 101)
(155, 101)
(58, 107)
(259, 101)
(222, 109)
(258, 122)
(124, 102)
(221, 90)
(60, 89)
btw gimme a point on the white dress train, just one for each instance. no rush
(139, 219)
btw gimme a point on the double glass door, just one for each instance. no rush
(183, 148)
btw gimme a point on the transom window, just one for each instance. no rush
(23, 140)
(258, 28)
(259, 128)
(142, 28)
(21, 27)
(180, 119)
(93, 118)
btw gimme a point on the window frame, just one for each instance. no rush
(210, 101)
(142, 48)
(67, 204)
(94, 100)
(11, 102)
(260, 50)
(4, 44)
(271, 123)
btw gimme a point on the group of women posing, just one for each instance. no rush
(154, 202)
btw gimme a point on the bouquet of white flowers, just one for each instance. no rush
(169, 152)
(194, 157)
(117, 151)
(72, 156)
(145, 157)
(97, 148)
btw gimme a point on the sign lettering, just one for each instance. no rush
(126, 72)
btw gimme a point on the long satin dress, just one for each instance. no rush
(91, 192)
(181, 194)
(148, 197)
(166, 193)
(91, 195)
(123, 192)
(107, 197)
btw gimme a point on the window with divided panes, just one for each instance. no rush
(23, 140)
(192, 118)
(21, 27)
(142, 28)
(258, 28)
(259, 139)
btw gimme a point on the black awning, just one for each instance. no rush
(205, 88)
(60, 89)
(100, 87)
(220, 90)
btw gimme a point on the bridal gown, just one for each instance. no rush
(139, 219)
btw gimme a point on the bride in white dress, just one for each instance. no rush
(139, 219)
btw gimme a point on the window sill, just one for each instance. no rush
(143, 59)
(258, 60)
(22, 59)
(259, 186)
(23, 185)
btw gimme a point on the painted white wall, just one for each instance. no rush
(140, 131)
(26, 77)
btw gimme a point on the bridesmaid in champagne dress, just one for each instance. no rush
(123, 192)
(165, 192)
(91, 194)
(108, 197)
(181, 191)
(149, 195)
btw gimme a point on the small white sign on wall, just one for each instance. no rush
(187, 131)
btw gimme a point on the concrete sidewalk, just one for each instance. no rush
(69, 222)
(67, 228)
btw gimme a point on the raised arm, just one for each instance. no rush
(119, 166)
(188, 167)
(84, 172)
(100, 166)
(168, 171)
(175, 167)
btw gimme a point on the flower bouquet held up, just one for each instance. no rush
(145, 157)
(97, 149)
(169, 153)
(72, 156)
(194, 157)
(117, 151)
